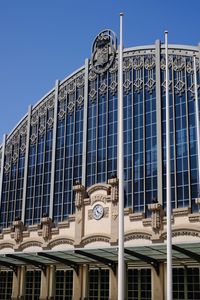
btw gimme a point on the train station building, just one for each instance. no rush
(59, 181)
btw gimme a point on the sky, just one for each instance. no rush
(45, 40)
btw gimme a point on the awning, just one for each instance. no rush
(151, 255)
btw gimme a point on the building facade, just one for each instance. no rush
(59, 185)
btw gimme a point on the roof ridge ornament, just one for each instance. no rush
(103, 51)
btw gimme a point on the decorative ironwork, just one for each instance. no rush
(93, 94)
(92, 76)
(50, 123)
(71, 88)
(138, 84)
(61, 114)
(178, 63)
(80, 81)
(103, 88)
(137, 63)
(179, 87)
(149, 63)
(41, 129)
(127, 64)
(33, 138)
(127, 86)
(150, 84)
(80, 101)
(113, 87)
(103, 51)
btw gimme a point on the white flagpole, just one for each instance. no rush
(120, 166)
(197, 122)
(168, 180)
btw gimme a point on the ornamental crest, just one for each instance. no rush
(103, 51)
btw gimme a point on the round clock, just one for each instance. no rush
(97, 212)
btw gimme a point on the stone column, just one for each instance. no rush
(114, 210)
(52, 283)
(77, 284)
(79, 215)
(45, 284)
(112, 286)
(158, 283)
(16, 284)
(85, 271)
(21, 283)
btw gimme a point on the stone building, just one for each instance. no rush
(59, 185)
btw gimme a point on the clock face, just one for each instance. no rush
(98, 212)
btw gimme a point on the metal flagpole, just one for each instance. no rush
(168, 180)
(120, 166)
(197, 122)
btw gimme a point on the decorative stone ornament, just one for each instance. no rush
(114, 182)
(18, 231)
(80, 193)
(46, 225)
(103, 51)
(156, 215)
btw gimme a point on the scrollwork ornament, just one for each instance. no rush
(80, 81)
(92, 76)
(103, 88)
(150, 84)
(149, 63)
(33, 138)
(189, 67)
(137, 63)
(163, 62)
(34, 119)
(7, 167)
(42, 110)
(71, 107)
(103, 51)
(127, 64)
(93, 94)
(113, 87)
(61, 114)
(50, 102)
(23, 130)
(179, 87)
(15, 157)
(62, 95)
(178, 63)
(138, 84)
(127, 86)
(50, 123)
(114, 68)
(71, 88)
(41, 130)
(80, 101)
(23, 148)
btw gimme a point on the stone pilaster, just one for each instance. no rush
(16, 284)
(79, 214)
(114, 210)
(112, 286)
(85, 271)
(158, 283)
(45, 284)
(52, 283)
(77, 284)
(20, 282)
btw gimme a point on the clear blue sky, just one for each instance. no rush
(45, 40)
